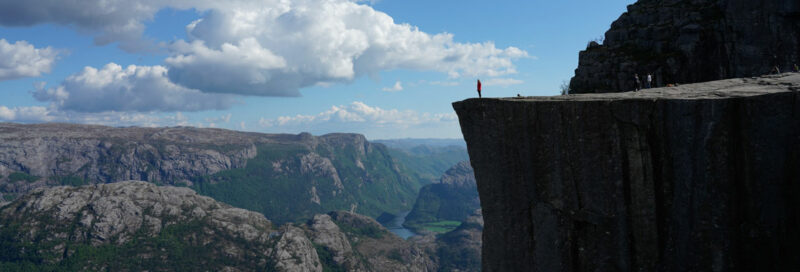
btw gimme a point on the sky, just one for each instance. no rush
(383, 68)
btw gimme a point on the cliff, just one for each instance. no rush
(699, 177)
(687, 41)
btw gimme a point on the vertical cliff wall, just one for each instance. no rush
(686, 41)
(701, 177)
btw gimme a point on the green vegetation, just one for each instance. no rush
(175, 248)
(366, 230)
(273, 184)
(428, 163)
(70, 180)
(21, 176)
(442, 202)
(326, 257)
(440, 226)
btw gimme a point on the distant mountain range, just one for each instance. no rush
(409, 143)
(285, 177)
(427, 159)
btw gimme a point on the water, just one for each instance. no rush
(396, 226)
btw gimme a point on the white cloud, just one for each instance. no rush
(273, 47)
(38, 114)
(373, 121)
(131, 89)
(26, 114)
(21, 59)
(113, 20)
(502, 82)
(298, 44)
(398, 86)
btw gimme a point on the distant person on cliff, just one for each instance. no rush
(479, 88)
(649, 80)
(637, 82)
(796, 69)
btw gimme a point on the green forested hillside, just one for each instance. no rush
(454, 198)
(292, 182)
(428, 162)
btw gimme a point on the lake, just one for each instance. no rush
(396, 226)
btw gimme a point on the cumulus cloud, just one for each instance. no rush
(26, 114)
(273, 47)
(130, 89)
(297, 44)
(502, 82)
(398, 86)
(113, 20)
(373, 121)
(21, 59)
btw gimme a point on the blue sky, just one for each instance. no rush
(387, 69)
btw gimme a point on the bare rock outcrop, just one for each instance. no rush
(688, 41)
(135, 225)
(374, 248)
(700, 177)
(99, 154)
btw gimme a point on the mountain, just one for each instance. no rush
(410, 143)
(699, 177)
(138, 226)
(352, 242)
(454, 198)
(285, 177)
(426, 159)
(460, 249)
(688, 41)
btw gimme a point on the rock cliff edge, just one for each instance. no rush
(700, 177)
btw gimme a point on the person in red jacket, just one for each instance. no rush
(479, 88)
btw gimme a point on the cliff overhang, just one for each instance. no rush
(698, 177)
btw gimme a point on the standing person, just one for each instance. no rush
(479, 88)
(637, 81)
(796, 69)
(649, 80)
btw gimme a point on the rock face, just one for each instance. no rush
(98, 154)
(460, 175)
(135, 225)
(687, 41)
(700, 177)
(292, 177)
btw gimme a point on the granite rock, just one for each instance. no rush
(699, 177)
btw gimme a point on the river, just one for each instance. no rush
(396, 226)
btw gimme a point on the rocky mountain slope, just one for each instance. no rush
(699, 177)
(687, 41)
(454, 198)
(138, 226)
(286, 177)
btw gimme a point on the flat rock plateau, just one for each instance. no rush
(698, 177)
